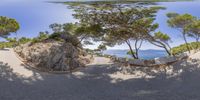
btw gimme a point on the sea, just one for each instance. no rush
(143, 54)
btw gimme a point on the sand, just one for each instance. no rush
(101, 80)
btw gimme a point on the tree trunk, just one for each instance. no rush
(136, 49)
(170, 48)
(197, 40)
(168, 52)
(132, 53)
(161, 45)
(187, 45)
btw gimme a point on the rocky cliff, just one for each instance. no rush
(52, 55)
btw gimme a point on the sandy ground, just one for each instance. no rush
(195, 56)
(7, 56)
(101, 80)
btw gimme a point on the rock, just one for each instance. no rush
(165, 60)
(149, 62)
(183, 55)
(122, 60)
(139, 62)
(53, 55)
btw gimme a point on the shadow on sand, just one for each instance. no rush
(4, 49)
(95, 83)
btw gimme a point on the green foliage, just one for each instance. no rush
(89, 51)
(24, 40)
(70, 32)
(161, 36)
(12, 42)
(56, 27)
(70, 28)
(183, 48)
(162, 40)
(42, 36)
(102, 47)
(172, 15)
(180, 21)
(193, 30)
(117, 24)
(100, 2)
(6, 45)
(55, 36)
(7, 26)
(129, 53)
(11, 39)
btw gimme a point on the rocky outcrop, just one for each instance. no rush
(152, 62)
(52, 55)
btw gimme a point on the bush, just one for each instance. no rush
(42, 36)
(183, 48)
(55, 36)
(24, 40)
(12, 42)
(6, 45)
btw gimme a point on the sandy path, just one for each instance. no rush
(98, 82)
(100, 60)
(195, 56)
(8, 56)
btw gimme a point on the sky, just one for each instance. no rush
(35, 16)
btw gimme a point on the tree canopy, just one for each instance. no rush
(193, 30)
(118, 24)
(181, 22)
(162, 40)
(70, 32)
(101, 48)
(7, 26)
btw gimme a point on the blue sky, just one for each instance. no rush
(36, 15)
(179, 7)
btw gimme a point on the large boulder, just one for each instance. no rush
(139, 62)
(52, 55)
(165, 60)
(183, 55)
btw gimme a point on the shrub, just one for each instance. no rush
(24, 40)
(183, 48)
(42, 36)
(6, 45)
(55, 36)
